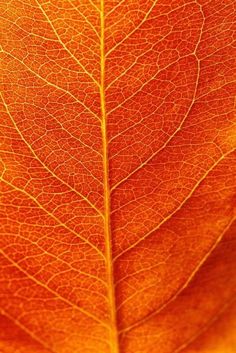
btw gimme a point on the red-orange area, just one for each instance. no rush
(117, 176)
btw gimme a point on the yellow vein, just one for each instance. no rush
(29, 33)
(115, 7)
(86, 241)
(107, 225)
(144, 84)
(180, 205)
(86, 19)
(185, 285)
(63, 44)
(135, 29)
(50, 83)
(207, 326)
(144, 269)
(144, 53)
(96, 8)
(185, 116)
(33, 336)
(44, 165)
(57, 295)
(58, 258)
(215, 89)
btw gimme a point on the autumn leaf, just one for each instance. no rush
(118, 176)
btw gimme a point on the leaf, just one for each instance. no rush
(117, 176)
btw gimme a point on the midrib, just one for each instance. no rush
(107, 227)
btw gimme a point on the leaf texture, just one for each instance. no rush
(118, 176)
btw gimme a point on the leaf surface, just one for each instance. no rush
(118, 176)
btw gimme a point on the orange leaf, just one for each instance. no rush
(117, 176)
